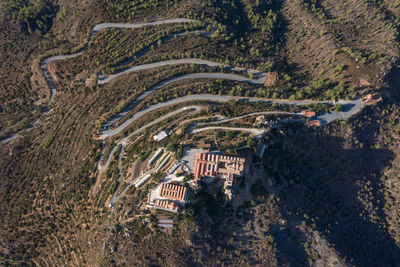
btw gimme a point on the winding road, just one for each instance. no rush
(167, 82)
(222, 119)
(99, 27)
(351, 107)
(122, 142)
(144, 127)
(254, 131)
(105, 79)
(354, 105)
(261, 80)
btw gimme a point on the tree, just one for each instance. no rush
(187, 177)
(218, 134)
(171, 147)
(157, 177)
(251, 143)
(232, 102)
(338, 107)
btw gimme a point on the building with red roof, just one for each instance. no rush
(210, 165)
(314, 123)
(168, 197)
(308, 113)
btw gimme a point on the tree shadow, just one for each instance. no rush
(323, 178)
(329, 180)
(219, 223)
(347, 107)
(289, 249)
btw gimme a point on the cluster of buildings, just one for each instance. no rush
(311, 114)
(167, 196)
(207, 166)
(171, 196)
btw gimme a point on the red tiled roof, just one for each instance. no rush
(207, 164)
(308, 113)
(173, 191)
(314, 123)
(166, 204)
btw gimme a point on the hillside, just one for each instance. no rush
(320, 196)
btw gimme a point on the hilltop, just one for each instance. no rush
(304, 92)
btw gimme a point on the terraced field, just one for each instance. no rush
(80, 104)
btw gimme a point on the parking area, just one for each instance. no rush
(189, 155)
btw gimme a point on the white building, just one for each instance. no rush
(156, 155)
(160, 136)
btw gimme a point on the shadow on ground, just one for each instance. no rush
(321, 177)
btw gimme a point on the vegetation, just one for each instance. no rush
(327, 192)
(145, 155)
(34, 18)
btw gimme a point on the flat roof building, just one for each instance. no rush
(160, 136)
(156, 155)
